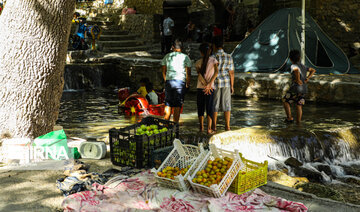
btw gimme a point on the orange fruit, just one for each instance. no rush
(209, 161)
(159, 174)
(214, 167)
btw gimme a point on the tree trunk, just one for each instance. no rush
(219, 9)
(34, 37)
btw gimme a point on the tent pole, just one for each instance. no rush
(303, 32)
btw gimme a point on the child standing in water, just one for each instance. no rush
(207, 69)
(300, 75)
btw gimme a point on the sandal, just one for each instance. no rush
(289, 121)
(210, 132)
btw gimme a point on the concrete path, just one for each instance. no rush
(314, 203)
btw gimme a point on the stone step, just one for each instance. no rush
(142, 54)
(118, 37)
(122, 43)
(99, 18)
(126, 49)
(111, 27)
(100, 23)
(113, 32)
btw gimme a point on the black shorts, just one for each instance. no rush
(205, 102)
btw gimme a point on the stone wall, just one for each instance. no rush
(244, 14)
(340, 20)
(122, 72)
(145, 6)
(197, 6)
(322, 88)
(142, 24)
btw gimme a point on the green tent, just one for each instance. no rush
(267, 48)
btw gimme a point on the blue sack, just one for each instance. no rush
(109, 1)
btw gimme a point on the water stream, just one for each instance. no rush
(329, 135)
(328, 131)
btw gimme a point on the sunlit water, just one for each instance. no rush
(328, 132)
(92, 114)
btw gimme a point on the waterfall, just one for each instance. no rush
(82, 77)
(259, 144)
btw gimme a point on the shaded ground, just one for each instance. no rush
(36, 191)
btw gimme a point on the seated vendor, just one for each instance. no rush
(142, 89)
(151, 97)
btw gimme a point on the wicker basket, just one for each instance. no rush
(181, 156)
(217, 190)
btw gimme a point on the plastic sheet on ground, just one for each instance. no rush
(142, 193)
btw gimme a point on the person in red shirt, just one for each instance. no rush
(216, 31)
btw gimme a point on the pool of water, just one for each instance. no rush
(92, 114)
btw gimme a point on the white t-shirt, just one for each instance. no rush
(168, 24)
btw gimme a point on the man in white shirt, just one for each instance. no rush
(168, 26)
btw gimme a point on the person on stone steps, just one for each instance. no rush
(207, 69)
(224, 83)
(168, 27)
(300, 75)
(176, 70)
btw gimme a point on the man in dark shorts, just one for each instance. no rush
(176, 68)
(300, 75)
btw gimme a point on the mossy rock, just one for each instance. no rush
(320, 191)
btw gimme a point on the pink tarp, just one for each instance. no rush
(142, 193)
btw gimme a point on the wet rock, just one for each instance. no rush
(281, 167)
(284, 179)
(350, 180)
(293, 162)
(312, 175)
(349, 170)
(325, 168)
(320, 191)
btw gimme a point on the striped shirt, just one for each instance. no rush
(226, 64)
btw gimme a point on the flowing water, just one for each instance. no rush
(329, 134)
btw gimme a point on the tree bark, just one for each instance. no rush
(219, 9)
(33, 39)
